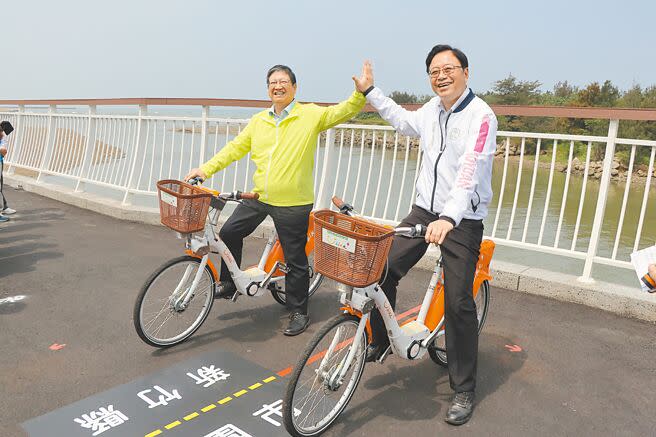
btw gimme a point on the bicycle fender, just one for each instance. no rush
(215, 273)
(357, 313)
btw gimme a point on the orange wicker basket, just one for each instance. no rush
(349, 249)
(182, 207)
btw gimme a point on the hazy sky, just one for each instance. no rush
(205, 48)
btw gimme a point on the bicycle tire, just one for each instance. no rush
(439, 354)
(166, 304)
(313, 354)
(279, 295)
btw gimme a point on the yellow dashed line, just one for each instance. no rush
(224, 400)
(210, 407)
(192, 415)
(173, 424)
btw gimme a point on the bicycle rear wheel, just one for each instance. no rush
(315, 395)
(278, 288)
(437, 351)
(160, 317)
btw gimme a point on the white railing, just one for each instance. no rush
(536, 207)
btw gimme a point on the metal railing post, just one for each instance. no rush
(15, 155)
(50, 143)
(601, 202)
(143, 110)
(89, 146)
(320, 201)
(203, 134)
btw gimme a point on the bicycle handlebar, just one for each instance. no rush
(252, 196)
(195, 181)
(238, 195)
(235, 195)
(416, 231)
(344, 208)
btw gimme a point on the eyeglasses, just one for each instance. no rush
(448, 69)
(279, 82)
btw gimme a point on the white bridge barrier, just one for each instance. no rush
(544, 200)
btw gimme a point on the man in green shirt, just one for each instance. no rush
(282, 141)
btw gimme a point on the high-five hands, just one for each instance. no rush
(366, 78)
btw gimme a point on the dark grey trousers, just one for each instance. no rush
(2, 182)
(291, 223)
(459, 256)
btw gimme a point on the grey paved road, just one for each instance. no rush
(580, 371)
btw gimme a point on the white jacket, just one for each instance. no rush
(455, 180)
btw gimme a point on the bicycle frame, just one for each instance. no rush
(411, 340)
(252, 281)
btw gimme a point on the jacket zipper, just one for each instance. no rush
(437, 161)
(266, 180)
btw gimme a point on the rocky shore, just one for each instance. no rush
(619, 170)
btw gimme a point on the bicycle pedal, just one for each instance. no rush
(283, 268)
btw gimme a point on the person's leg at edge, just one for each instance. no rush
(243, 221)
(292, 225)
(2, 186)
(403, 255)
(460, 251)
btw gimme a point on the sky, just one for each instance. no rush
(220, 49)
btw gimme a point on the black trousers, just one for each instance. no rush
(460, 251)
(291, 223)
(2, 183)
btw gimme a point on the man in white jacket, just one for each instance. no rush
(457, 133)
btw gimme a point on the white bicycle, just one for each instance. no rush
(177, 297)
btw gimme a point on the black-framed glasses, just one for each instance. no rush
(282, 82)
(447, 69)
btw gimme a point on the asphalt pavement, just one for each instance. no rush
(69, 278)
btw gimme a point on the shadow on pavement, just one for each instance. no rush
(25, 262)
(407, 391)
(254, 325)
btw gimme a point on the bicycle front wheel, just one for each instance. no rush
(161, 316)
(317, 392)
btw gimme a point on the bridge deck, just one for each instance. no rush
(580, 371)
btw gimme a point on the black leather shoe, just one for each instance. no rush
(374, 352)
(297, 323)
(461, 408)
(225, 290)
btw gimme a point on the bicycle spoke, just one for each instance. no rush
(169, 310)
(319, 394)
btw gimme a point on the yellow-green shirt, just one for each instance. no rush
(284, 153)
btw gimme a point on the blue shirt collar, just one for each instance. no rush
(283, 114)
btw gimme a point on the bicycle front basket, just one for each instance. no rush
(348, 249)
(182, 207)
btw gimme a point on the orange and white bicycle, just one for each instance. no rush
(177, 297)
(353, 252)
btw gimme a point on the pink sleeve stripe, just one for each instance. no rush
(482, 135)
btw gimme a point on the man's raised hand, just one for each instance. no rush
(366, 78)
